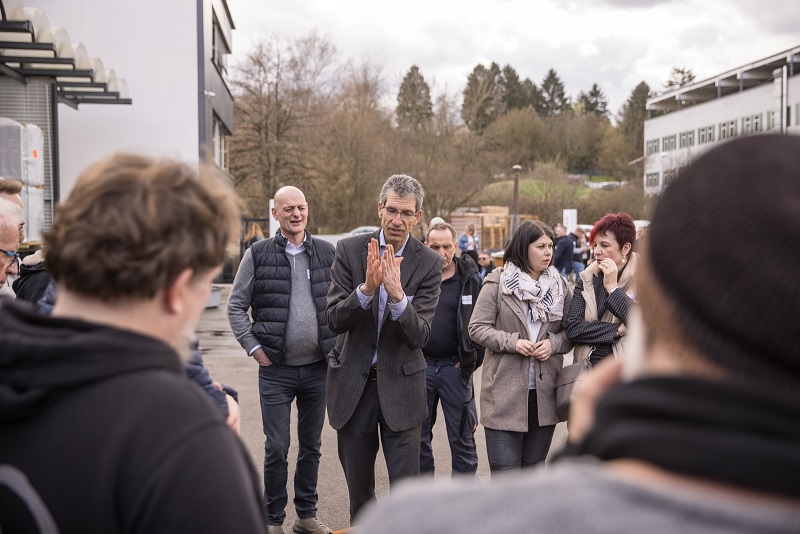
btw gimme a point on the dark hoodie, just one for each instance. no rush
(101, 432)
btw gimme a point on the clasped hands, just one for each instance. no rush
(541, 350)
(384, 271)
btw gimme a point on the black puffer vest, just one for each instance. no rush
(272, 286)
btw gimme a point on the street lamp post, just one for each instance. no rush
(514, 212)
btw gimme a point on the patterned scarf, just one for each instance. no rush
(545, 297)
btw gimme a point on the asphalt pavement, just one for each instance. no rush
(228, 363)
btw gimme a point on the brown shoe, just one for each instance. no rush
(310, 525)
(275, 529)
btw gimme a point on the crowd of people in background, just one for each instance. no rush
(685, 417)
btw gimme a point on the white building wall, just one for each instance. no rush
(153, 45)
(756, 101)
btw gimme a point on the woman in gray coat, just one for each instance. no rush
(519, 317)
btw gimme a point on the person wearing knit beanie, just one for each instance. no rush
(696, 428)
(735, 290)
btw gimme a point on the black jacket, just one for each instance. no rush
(100, 426)
(272, 289)
(562, 254)
(470, 354)
(32, 281)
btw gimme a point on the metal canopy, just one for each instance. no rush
(77, 79)
(733, 81)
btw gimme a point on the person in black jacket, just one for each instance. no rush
(452, 356)
(485, 263)
(33, 278)
(284, 281)
(101, 431)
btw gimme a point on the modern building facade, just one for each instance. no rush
(762, 96)
(41, 71)
(175, 59)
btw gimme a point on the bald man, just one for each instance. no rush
(284, 281)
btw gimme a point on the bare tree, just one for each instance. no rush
(282, 90)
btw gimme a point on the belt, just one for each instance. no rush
(373, 373)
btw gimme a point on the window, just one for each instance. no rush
(668, 142)
(747, 125)
(705, 135)
(652, 146)
(219, 49)
(757, 122)
(727, 130)
(219, 139)
(651, 180)
(687, 139)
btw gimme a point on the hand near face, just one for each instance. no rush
(390, 267)
(609, 269)
(374, 270)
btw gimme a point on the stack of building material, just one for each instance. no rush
(22, 158)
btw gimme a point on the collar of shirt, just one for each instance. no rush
(293, 250)
(397, 253)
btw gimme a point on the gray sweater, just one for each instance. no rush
(302, 332)
(574, 496)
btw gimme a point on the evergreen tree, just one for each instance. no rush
(593, 102)
(554, 98)
(631, 121)
(512, 91)
(414, 106)
(533, 95)
(678, 77)
(482, 97)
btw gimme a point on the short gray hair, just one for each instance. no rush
(441, 226)
(403, 186)
(10, 212)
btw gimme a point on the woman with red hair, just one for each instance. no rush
(604, 291)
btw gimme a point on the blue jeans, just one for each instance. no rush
(515, 450)
(278, 386)
(446, 383)
(578, 267)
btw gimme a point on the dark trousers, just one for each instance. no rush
(358, 448)
(278, 386)
(515, 450)
(445, 382)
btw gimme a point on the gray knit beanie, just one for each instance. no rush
(724, 244)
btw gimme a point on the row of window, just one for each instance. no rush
(727, 130)
(652, 178)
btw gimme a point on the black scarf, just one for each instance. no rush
(738, 434)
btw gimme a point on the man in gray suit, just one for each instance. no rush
(384, 290)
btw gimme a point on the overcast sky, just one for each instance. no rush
(614, 43)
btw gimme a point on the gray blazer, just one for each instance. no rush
(401, 365)
(498, 322)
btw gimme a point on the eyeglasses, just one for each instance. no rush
(10, 257)
(405, 215)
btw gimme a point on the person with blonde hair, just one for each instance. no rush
(254, 234)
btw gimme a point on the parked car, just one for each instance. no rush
(364, 230)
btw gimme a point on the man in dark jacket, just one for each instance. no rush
(33, 278)
(485, 263)
(563, 249)
(452, 356)
(101, 432)
(284, 281)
